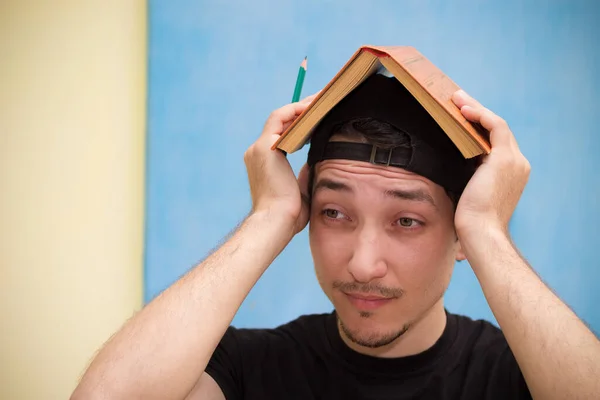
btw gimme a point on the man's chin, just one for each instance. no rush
(366, 331)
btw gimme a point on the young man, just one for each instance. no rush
(391, 205)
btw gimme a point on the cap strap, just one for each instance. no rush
(396, 156)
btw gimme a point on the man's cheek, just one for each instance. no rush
(419, 266)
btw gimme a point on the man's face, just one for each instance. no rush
(383, 244)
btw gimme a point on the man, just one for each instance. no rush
(391, 205)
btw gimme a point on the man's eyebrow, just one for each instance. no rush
(412, 195)
(332, 185)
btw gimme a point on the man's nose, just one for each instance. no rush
(368, 261)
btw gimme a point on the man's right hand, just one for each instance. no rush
(273, 186)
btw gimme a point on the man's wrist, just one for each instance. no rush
(274, 224)
(481, 230)
(484, 245)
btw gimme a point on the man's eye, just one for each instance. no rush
(333, 214)
(407, 222)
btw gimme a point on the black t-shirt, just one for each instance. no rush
(307, 359)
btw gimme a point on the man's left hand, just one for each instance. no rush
(493, 192)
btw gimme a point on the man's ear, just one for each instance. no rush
(460, 254)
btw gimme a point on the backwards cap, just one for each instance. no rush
(431, 153)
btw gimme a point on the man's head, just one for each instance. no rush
(382, 236)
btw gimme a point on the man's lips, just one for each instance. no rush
(367, 301)
(367, 296)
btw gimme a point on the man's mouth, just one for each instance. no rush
(367, 301)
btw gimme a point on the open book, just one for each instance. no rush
(423, 80)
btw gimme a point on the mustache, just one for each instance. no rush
(368, 288)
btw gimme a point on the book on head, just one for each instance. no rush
(427, 83)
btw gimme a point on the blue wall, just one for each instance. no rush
(217, 69)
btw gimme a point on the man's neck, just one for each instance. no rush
(421, 335)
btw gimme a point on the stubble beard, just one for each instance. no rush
(372, 341)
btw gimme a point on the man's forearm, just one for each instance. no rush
(558, 355)
(162, 351)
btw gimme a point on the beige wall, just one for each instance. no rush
(72, 129)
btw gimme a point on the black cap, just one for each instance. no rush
(431, 153)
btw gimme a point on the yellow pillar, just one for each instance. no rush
(72, 140)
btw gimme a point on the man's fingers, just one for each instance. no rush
(281, 118)
(500, 134)
(483, 116)
(286, 125)
(310, 98)
(461, 98)
(283, 115)
(475, 112)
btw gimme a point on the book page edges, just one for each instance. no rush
(391, 53)
(447, 104)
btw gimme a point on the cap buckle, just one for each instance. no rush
(374, 153)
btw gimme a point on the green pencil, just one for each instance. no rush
(300, 80)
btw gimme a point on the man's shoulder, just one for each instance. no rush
(481, 335)
(307, 322)
(304, 326)
(484, 360)
(481, 326)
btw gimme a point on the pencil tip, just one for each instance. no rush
(304, 63)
